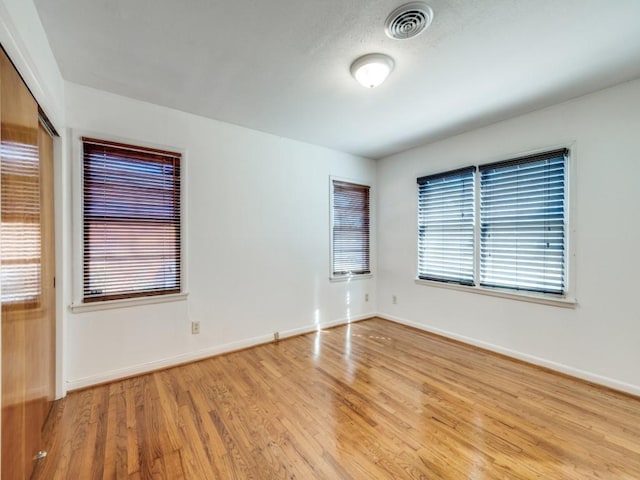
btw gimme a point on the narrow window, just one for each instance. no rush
(131, 221)
(446, 227)
(522, 223)
(350, 229)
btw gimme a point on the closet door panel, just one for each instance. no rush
(25, 345)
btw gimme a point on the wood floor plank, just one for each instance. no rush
(115, 458)
(370, 400)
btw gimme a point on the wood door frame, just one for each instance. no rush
(47, 195)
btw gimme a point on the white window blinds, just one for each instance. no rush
(350, 229)
(522, 223)
(446, 227)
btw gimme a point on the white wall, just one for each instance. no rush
(597, 340)
(257, 242)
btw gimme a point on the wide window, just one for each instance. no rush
(131, 221)
(520, 240)
(350, 229)
(446, 227)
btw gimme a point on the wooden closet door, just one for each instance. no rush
(24, 289)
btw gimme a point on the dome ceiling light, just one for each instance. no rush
(372, 69)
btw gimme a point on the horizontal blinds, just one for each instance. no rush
(131, 213)
(522, 223)
(446, 227)
(20, 230)
(350, 230)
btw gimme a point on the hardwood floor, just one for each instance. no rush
(369, 400)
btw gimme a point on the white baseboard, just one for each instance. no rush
(558, 367)
(147, 367)
(159, 364)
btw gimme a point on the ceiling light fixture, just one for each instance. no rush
(372, 69)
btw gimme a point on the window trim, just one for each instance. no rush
(566, 300)
(356, 276)
(127, 302)
(77, 244)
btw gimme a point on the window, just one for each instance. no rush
(350, 229)
(131, 221)
(522, 223)
(520, 241)
(446, 227)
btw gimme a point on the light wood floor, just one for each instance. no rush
(370, 400)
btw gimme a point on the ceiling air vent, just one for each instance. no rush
(408, 20)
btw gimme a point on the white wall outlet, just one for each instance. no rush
(195, 328)
(366, 297)
(394, 299)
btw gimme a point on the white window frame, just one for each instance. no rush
(77, 245)
(568, 300)
(358, 276)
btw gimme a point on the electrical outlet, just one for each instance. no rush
(195, 328)
(366, 297)
(276, 336)
(394, 299)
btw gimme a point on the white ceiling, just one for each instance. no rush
(282, 66)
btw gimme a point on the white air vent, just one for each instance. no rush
(408, 20)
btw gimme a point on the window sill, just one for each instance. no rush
(128, 302)
(564, 302)
(348, 278)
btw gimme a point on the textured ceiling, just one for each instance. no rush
(282, 66)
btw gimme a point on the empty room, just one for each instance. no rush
(320, 239)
